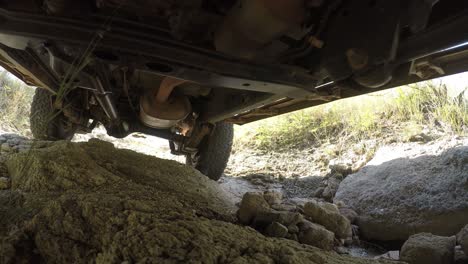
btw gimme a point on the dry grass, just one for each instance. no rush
(15, 101)
(398, 113)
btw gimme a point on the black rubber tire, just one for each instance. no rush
(213, 154)
(44, 121)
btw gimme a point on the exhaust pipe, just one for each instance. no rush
(158, 109)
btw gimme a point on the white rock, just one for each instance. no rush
(462, 239)
(251, 204)
(328, 215)
(390, 255)
(273, 197)
(410, 189)
(315, 235)
(425, 248)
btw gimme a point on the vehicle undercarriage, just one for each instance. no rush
(175, 69)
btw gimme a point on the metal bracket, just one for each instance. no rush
(425, 69)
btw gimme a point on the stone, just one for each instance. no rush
(273, 197)
(426, 248)
(300, 202)
(66, 207)
(355, 230)
(460, 256)
(349, 213)
(251, 204)
(462, 239)
(319, 192)
(331, 188)
(5, 147)
(315, 235)
(348, 242)
(293, 229)
(390, 255)
(328, 206)
(421, 137)
(342, 250)
(14, 141)
(293, 237)
(342, 167)
(263, 219)
(408, 190)
(4, 183)
(276, 229)
(328, 215)
(284, 207)
(291, 218)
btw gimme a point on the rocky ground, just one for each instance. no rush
(98, 202)
(90, 202)
(411, 188)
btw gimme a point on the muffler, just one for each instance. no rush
(161, 109)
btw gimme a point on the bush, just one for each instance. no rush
(15, 100)
(428, 103)
(395, 111)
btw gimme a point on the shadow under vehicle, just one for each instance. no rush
(187, 70)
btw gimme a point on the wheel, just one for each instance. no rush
(46, 122)
(214, 151)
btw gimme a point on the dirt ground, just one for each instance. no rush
(131, 201)
(91, 202)
(244, 173)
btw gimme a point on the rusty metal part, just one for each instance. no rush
(189, 145)
(425, 69)
(252, 24)
(159, 110)
(166, 87)
(164, 115)
(186, 127)
(315, 42)
(197, 136)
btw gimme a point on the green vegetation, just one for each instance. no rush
(397, 114)
(15, 100)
